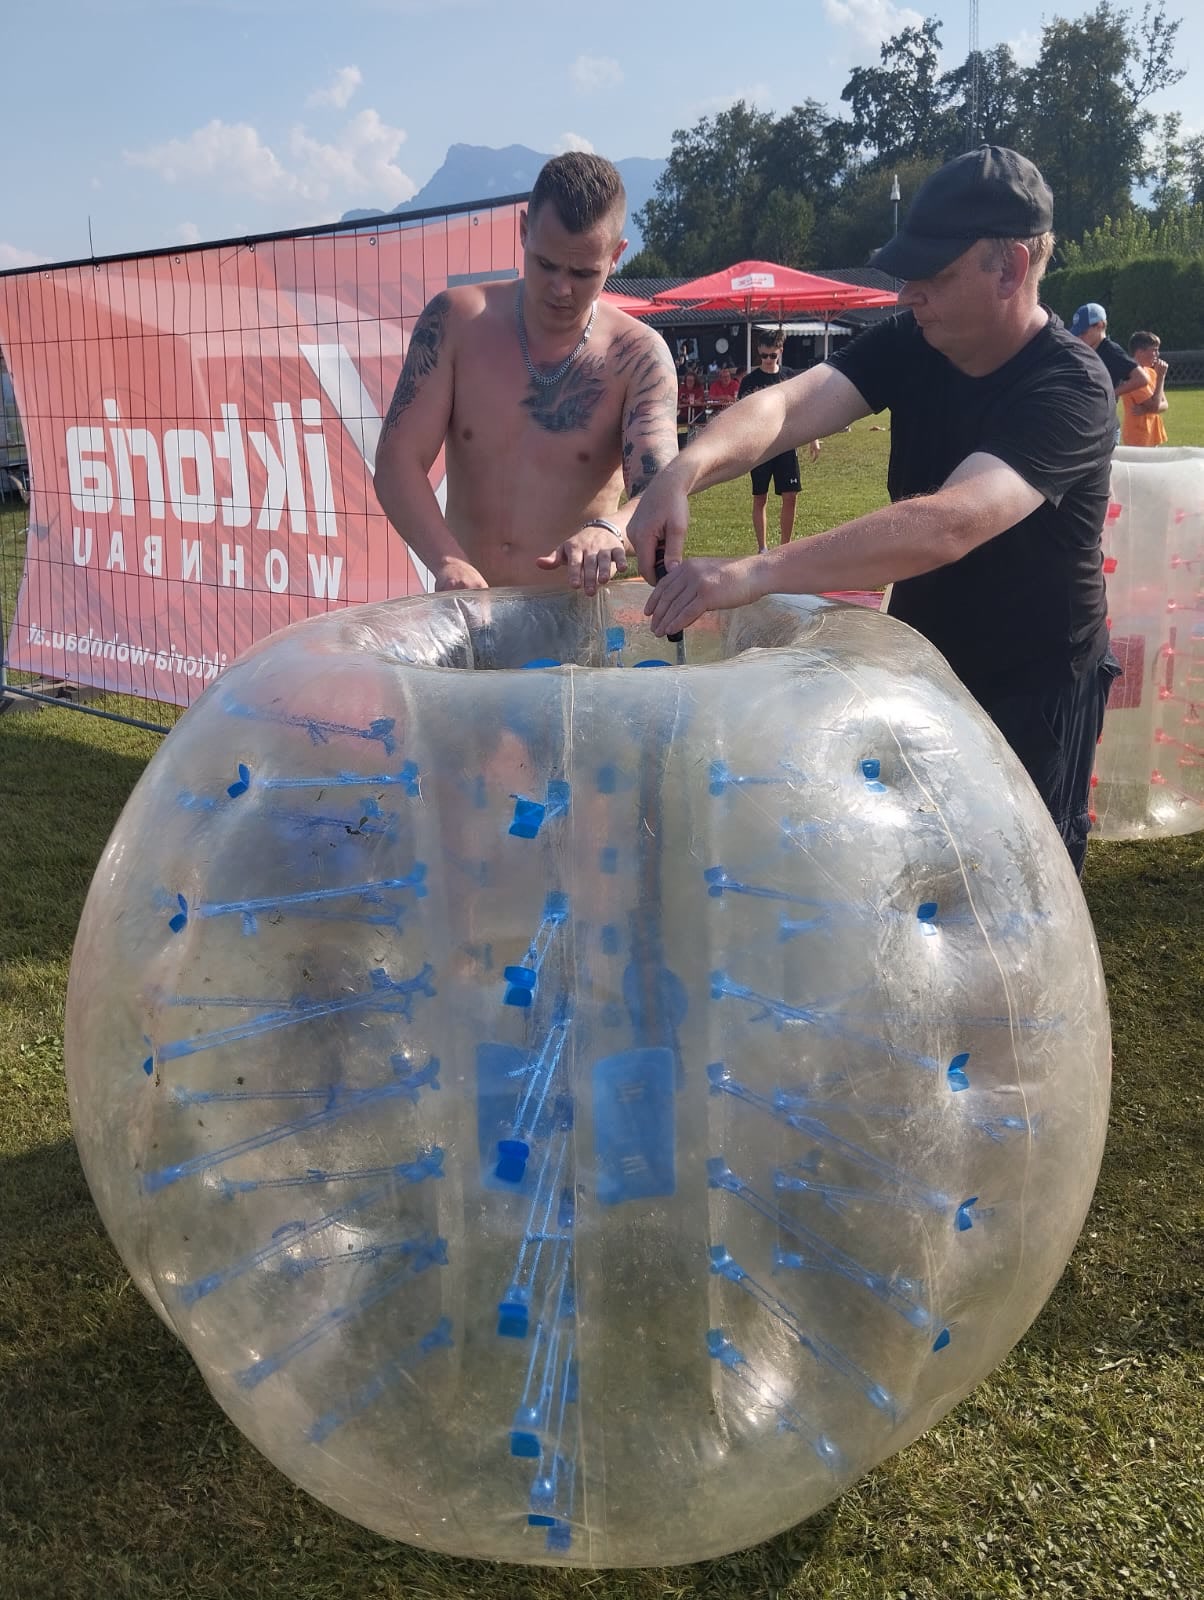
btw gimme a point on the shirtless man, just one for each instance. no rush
(549, 404)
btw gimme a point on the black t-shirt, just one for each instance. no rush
(1119, 363)
(1026, 610)
(758, 378)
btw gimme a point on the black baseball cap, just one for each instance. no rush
(988, 193)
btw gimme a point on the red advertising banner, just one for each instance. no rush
(201, 428)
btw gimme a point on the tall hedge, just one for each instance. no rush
(1163, 293)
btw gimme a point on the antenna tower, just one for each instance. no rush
(974, 110)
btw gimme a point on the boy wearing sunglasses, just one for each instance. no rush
(780, 470)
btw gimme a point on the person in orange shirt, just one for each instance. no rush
(1142, 422)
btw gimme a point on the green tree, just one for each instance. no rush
(807, 153)
(1177, 168)
(1137, 236)
(645, 263)
(1168, 189)
(1083, 121)
(997, 117)
(784, 224)
(807, 188)
(1193, 160)
(706, 200)
(741, 184)
(902, 107)
(863, 217)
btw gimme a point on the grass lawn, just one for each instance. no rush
(850, 479)
(1076, 1470)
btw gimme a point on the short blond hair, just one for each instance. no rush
(1040, 253)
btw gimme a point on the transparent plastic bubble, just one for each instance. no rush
(582, 1114)
(1149, 770)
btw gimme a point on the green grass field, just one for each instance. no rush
(1075, 1471)
(850, 479)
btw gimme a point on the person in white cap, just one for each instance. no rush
(1002, 426)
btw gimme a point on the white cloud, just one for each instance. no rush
(871, 21)
(593, 73)
(12, 255)
(358, 165)
(572, 141)
(346, 81)
(187, 233)
(1026, 47)
(230, 153)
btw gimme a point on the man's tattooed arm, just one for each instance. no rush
(411, 435)
(422, 357)
(649, 407)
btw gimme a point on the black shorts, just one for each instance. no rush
(783, 470)
(1055, 732)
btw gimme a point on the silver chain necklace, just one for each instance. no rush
(547, 379)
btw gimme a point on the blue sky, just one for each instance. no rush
(172, 121)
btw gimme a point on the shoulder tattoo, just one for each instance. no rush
(422, 357)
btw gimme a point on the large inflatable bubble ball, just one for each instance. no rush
(577, 1108)
(1149, 770)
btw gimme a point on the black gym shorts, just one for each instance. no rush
(783, 470)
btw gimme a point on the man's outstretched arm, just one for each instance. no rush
(979, 500)
(411, 436)
(776, 418)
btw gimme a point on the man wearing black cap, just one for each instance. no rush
(1001, 436)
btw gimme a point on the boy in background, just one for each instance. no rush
(782, 469)
(1142, 424)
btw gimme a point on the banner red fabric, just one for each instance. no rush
(201, 429)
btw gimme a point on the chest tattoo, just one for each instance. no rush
(569, 406)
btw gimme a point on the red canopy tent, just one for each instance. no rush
(754, 290)
(635, 305)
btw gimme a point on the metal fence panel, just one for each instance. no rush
(200, 427)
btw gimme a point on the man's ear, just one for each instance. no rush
(1013, 276)
(619, 249)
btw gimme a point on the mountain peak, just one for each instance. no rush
(483, 172)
